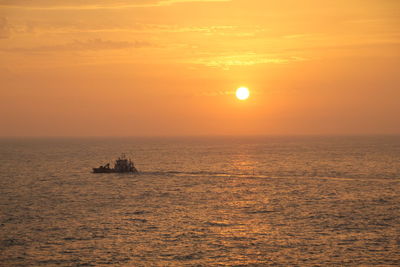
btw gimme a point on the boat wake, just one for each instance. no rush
(254, 175)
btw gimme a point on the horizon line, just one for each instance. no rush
(199, 136)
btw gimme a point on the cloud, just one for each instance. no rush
(89, 45)
(382, 45)
(297, 36)
(247, 59)
(62, 27)
(91, 4)
(4, 29)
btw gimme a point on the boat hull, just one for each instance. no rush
(105, 170)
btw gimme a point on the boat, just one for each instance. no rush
(121, 165)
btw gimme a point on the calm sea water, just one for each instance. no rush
(282, 201)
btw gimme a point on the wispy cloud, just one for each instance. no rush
(297, 36)
(89, 45)
(76, 27)
(247, 59)
(356, 46)
(90, 4)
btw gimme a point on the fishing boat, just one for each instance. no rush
(121, 165)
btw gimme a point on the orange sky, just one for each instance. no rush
(170, 67)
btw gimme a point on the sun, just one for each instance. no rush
(242, 93)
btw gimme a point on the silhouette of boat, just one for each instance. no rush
(121, 165)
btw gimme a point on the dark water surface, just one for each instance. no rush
(282, 201)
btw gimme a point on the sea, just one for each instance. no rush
(201, 201)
